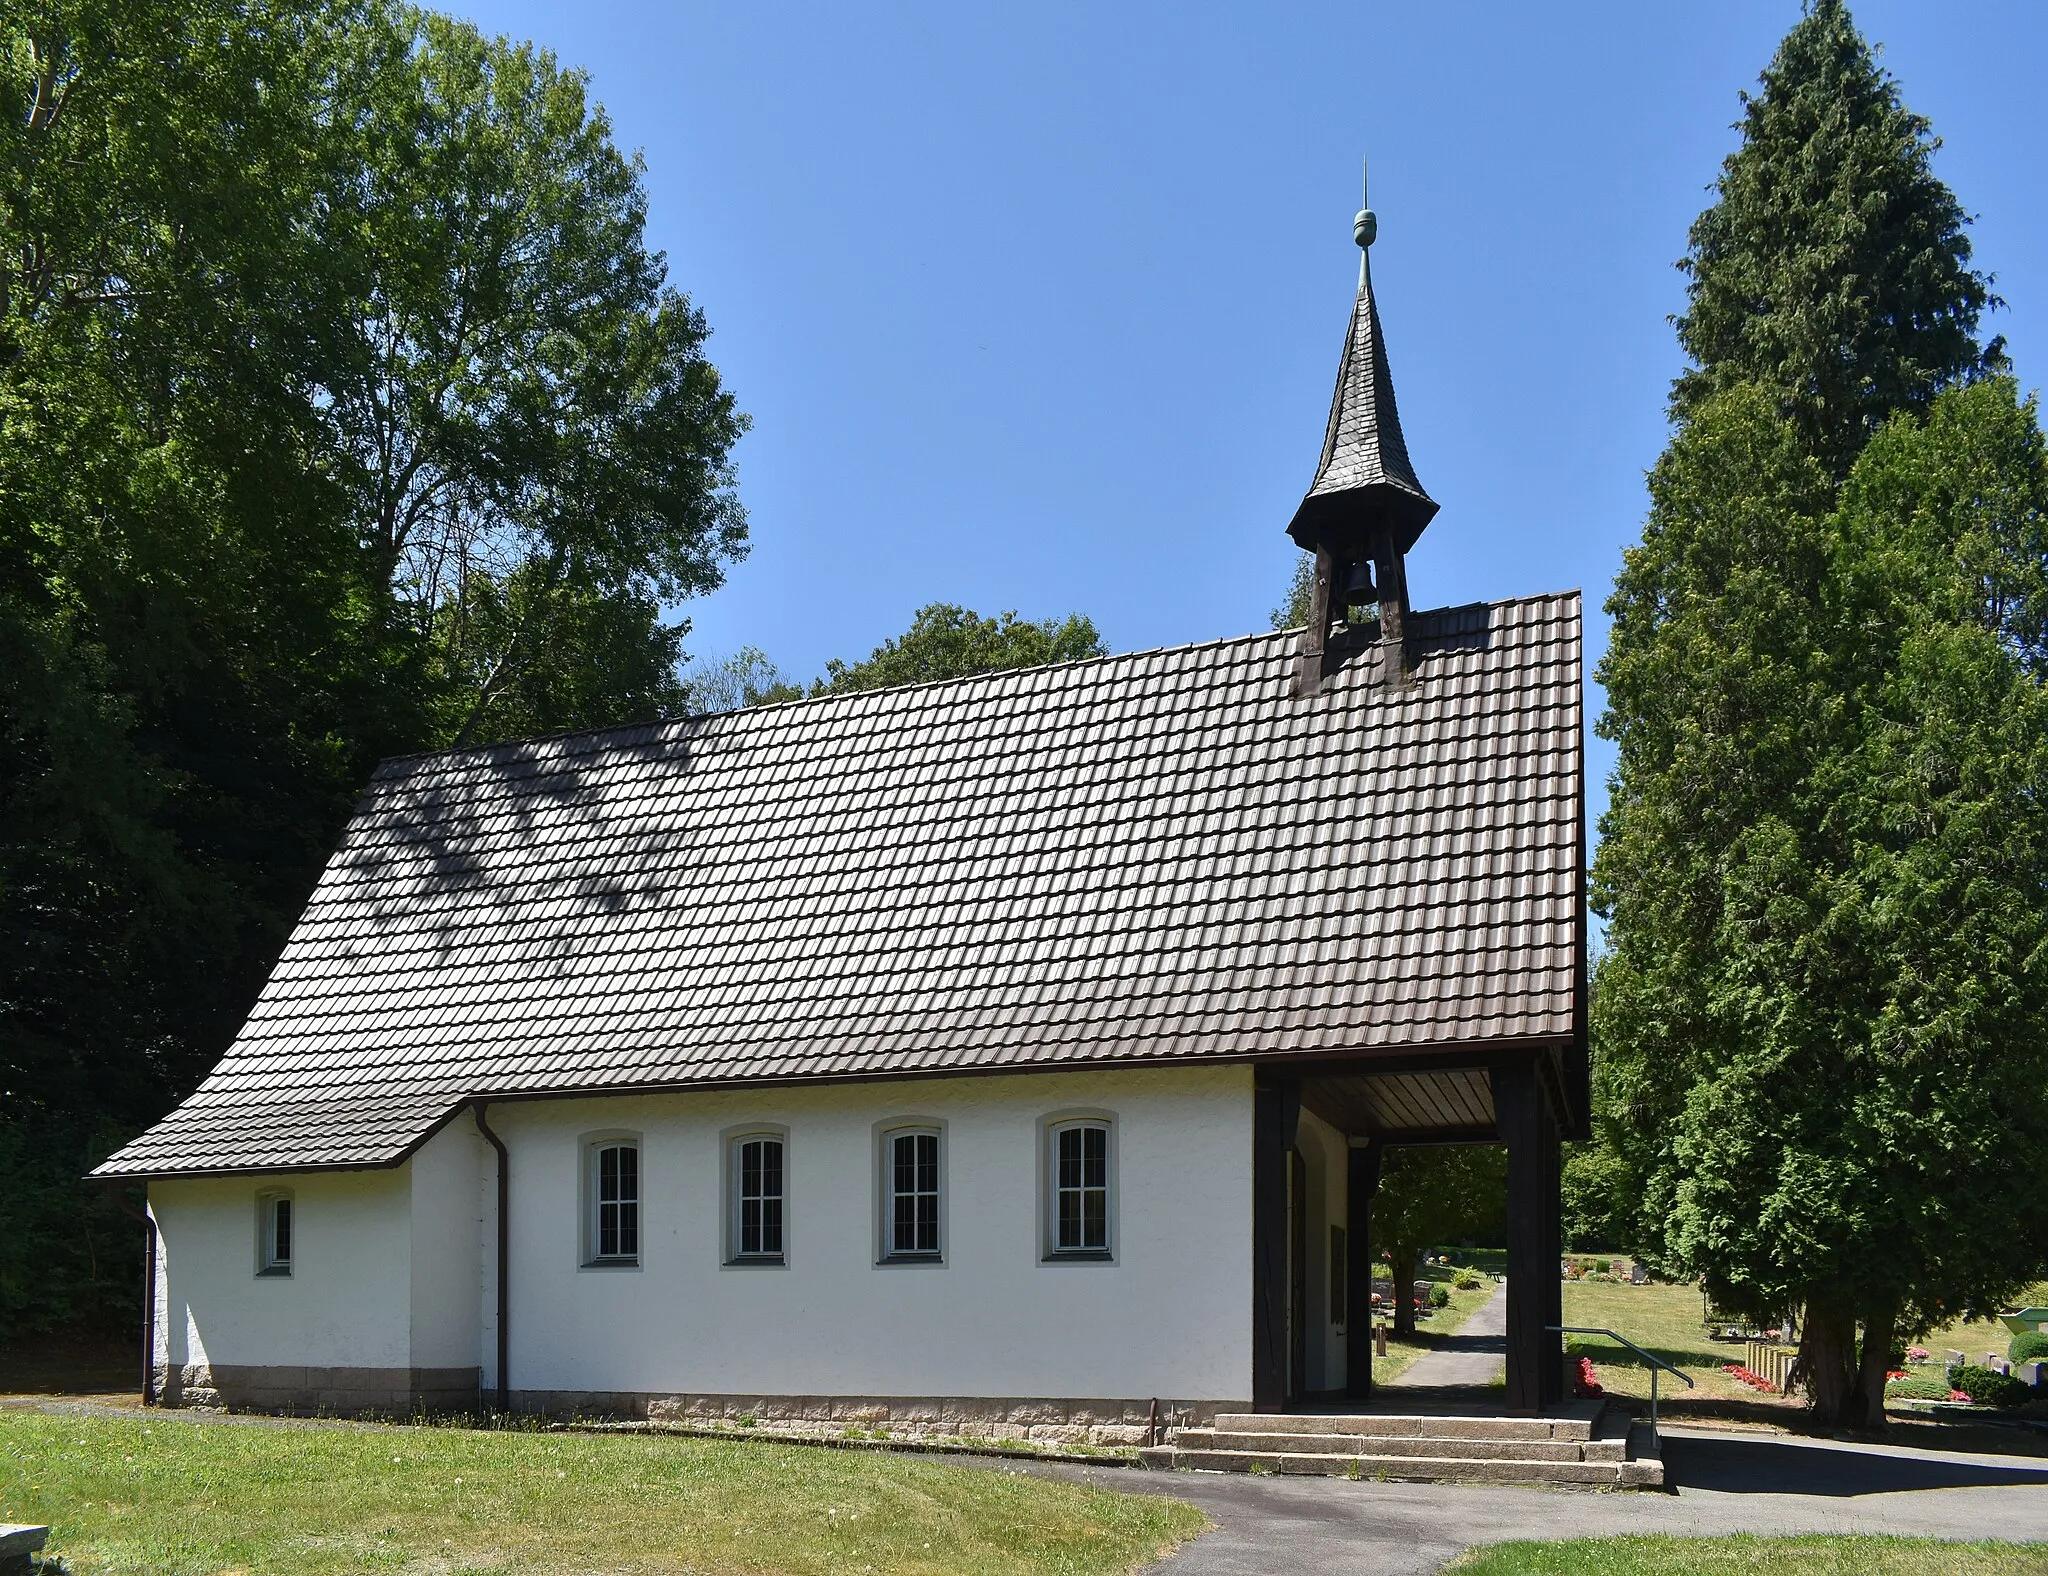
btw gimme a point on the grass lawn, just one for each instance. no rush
(176, 1498)
(1664, 1319)
(1748, 1556)
(1430, 1332)
(1974, 1337)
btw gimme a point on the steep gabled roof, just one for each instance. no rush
(1141, 859)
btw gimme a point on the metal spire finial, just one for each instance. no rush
(1365, 229)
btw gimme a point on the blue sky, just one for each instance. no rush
(1038, 307)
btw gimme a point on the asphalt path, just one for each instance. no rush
(1475, 1356)
(1723, 1483)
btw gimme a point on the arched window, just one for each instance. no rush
(1079, 1203)
(614, 1191)
(760, 1180)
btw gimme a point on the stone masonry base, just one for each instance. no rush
(352, 1391)
(1032, 1419)
(402, 1392)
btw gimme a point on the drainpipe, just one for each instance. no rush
(476, 1110)
(148, 1293)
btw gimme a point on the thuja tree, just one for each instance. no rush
(1833, 270)
(1825, 869)
(1432, 1195)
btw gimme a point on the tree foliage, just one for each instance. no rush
(343, 411)
(949, 642)
(1833, 270)
(1823, 862)
(1429, 1196)
(1826, 869)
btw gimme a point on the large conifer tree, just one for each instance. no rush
(1826, 853)
(1833, 270)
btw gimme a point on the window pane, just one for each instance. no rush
(1095, 1146)
(750, 1225)
(771, 1168)
(1070, 1157)
(618, 1202)
(607, 1175)
(629, 1171)
(608, 1231)
(1095, 1218)
(905, 1238)
(927, 1163)
(928, 1223)
(1070, 1218)
(629, 1230)
(771, 1225)
(281, 1231)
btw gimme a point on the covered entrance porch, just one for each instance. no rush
(1321, 1132)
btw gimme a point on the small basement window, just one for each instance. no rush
(615, 1202)
(911, 1175)
(274, 1234)
(758, 1184)
(1080, 1189)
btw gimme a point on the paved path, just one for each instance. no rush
(1726, 1483)
(1476, 1355)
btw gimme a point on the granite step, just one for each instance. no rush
(1421, 1469)
(1382, 1445)
(1389, 1425)
(1589, 1447)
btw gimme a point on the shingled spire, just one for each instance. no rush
(1365, 508)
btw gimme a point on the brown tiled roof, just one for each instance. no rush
(1139, 859)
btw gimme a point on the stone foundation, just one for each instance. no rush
(400, 1392)
(1031, 1419)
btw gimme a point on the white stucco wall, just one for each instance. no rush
(396, 1269)
(347, 1302)
(1170, 1316)
(449, 1202)
(1326, 1155)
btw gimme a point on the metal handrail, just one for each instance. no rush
(1651, 1358)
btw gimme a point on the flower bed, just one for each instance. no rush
(1756, 1382)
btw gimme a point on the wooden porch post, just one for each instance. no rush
(1535, 1356)
(1362, 1182)
(1276, 1111)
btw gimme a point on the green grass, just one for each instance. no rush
(1665, 1319)
(178, 1498)
(1752, 1556)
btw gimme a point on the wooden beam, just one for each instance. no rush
(1276, 1113)
(1390, 574)
(1362, 1182)
(1535, 1356)
(1308, 668)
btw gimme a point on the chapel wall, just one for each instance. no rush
(992, 1339)
(333, 1334)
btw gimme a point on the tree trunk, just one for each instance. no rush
(1866, 1406)
(1827, 1361)
(1403, 1265)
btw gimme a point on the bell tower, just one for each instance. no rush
(1365, 508)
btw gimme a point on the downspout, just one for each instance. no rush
(148, 1293)
(476, 1110)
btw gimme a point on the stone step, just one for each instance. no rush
(1420, 1469)
(1380, 1425)
(1433, 1448)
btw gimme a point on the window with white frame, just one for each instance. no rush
(274, 1234)
(1079, 1170)
(911, 1176)
(615, 1202)
(759, 1195)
